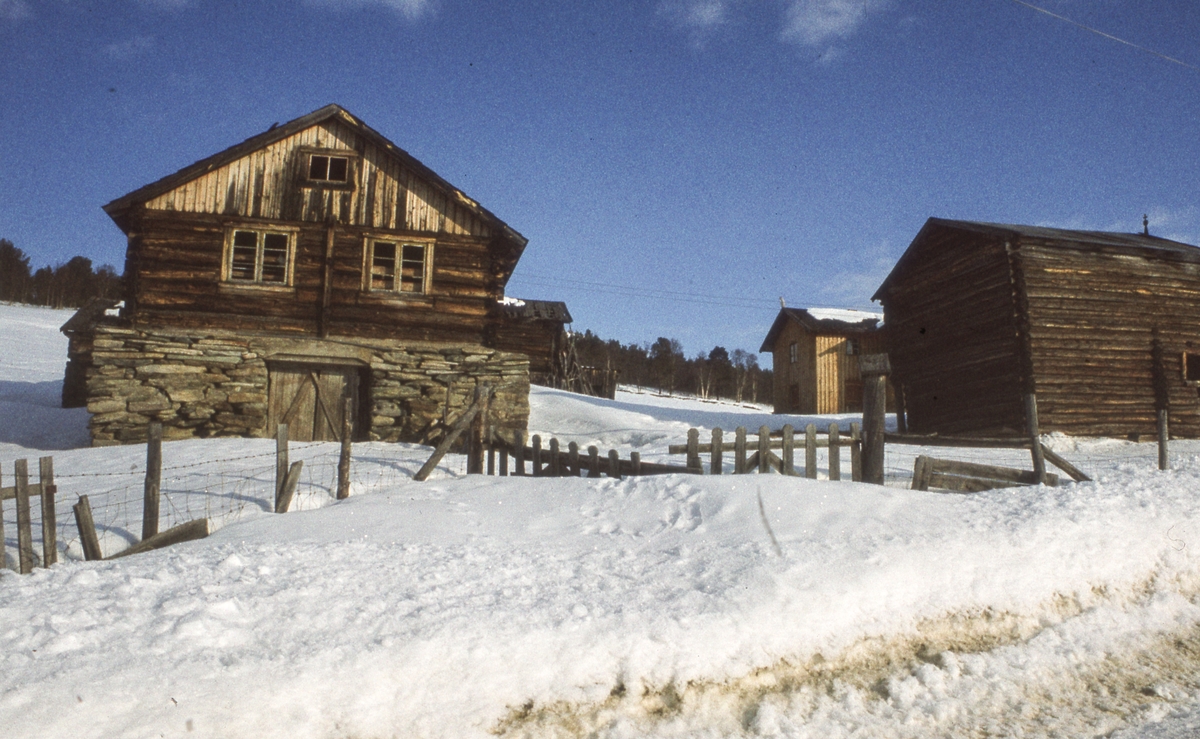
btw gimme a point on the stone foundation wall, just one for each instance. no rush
(217, 384)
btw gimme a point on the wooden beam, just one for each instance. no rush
(190, 531)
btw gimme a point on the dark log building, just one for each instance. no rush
(1103, 328)
(312, 264)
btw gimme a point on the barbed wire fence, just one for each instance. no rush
(219, 489)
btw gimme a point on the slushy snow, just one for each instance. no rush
(673, 606)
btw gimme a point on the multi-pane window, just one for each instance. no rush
(793, 353)
(260, 257)
(328, 168)
(399, 267)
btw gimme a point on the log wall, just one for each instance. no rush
(175, 263)
(1094, 317)
(951, 328)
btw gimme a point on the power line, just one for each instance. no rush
(1098, 32)
(605, 288)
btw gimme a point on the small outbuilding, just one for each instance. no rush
(1101, 328)
(816, 353)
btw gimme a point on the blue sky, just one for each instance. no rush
(677, 165)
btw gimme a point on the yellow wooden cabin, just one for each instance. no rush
(816, 353)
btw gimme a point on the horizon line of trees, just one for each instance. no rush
(70, 284)
(662, 365)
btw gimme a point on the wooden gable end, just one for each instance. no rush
(272, 183)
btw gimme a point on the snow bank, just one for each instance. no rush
(670, 606)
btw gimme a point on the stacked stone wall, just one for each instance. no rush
(210, 384)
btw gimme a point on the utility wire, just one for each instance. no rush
(724, 301)
(1098, 32)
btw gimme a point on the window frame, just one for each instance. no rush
(397, 291)
(261, 231)
(1187, 377)
(305, 168)
(793, 352)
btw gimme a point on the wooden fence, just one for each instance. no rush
(763, 459)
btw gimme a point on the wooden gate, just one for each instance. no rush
(308, 398)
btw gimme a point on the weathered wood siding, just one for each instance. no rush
(175, 267)
(1094, 314)
(271, 183)
(541, 341)
(827, 377)
(951, 328)
(801, 373)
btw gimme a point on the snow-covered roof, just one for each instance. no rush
(823, 320)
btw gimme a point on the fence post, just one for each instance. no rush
(504, 461)
(24, 524)
(693, 449)
(716, 467)
(764, 450)
(739, 451)
(87, 530)
(593, 461)
(874, 369)
(153, 480)
(491, 450)
(614, 464)
(281, 459)
(635, 463)
(49, 516)
(289, 487)
(536, 456)
(1035, 437)
(519, 451)
(810, 451)
(835, 452)
(573, 458)
(555, 462)
(343, 488)
(855, 453)
(787, 455)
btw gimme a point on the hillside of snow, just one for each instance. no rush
(673, 606)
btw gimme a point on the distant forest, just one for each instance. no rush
(662, 365)
(69, 285)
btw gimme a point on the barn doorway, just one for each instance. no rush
(309, 399)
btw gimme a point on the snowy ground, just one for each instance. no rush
(667, 607)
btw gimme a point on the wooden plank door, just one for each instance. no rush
(308, 398)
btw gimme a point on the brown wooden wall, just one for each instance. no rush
(828, 377)
(270, 183)
(541, 341)
(952, 337)
(175, 262)
(1093, 317)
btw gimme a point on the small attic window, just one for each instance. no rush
(853, 348)
(323, 168)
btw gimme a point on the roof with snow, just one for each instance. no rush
(534, 310)
(836, 321)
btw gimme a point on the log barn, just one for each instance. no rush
(1102, 329)
(815, 355)
(313, 267)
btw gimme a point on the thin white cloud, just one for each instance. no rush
(131, 48)
(410, 9)
(866, 271)
(818, 22)
(14, 10)
(696, 15)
